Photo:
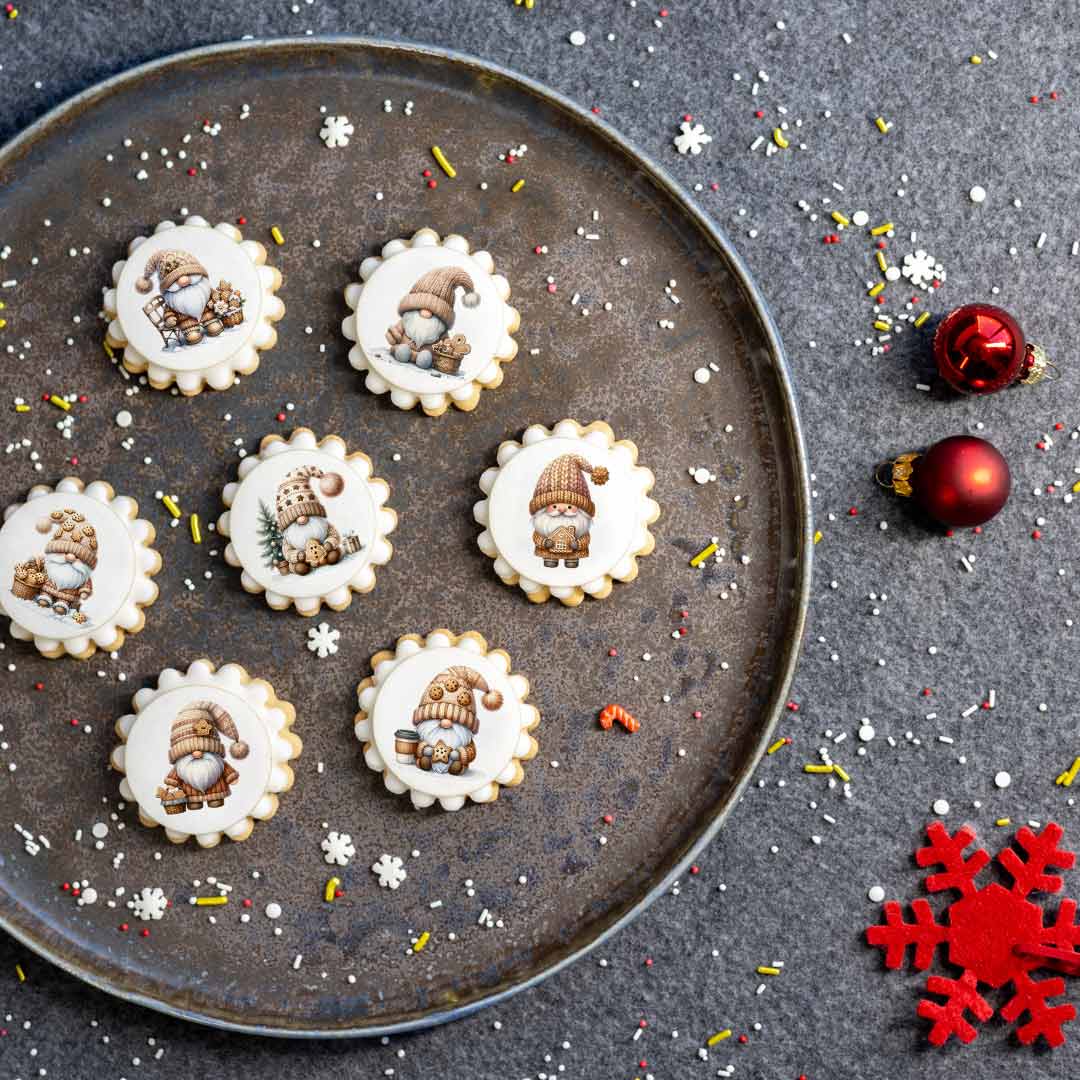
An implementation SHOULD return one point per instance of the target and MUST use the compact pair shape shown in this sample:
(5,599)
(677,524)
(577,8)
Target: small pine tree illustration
(269,535)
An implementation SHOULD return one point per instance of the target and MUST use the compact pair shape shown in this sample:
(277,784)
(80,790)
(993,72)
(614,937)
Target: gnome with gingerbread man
(60,579)
(422,336)
(308,539)
(200,775)
(562,510)
(446,719)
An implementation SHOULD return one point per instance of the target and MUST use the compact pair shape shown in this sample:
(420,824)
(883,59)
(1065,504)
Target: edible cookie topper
(193,305)
(566,511)
(206,752)
(431,323)
(75,568)
(443,718)
(307,522)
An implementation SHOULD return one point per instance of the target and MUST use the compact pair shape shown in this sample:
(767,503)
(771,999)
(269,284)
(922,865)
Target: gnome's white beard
(315,528)
(191,299)
(64,574)
(456,736)
(202,772)
(423,331)
(545,524)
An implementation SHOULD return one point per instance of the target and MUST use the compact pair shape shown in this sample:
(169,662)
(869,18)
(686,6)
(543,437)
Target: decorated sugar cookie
(566,511)
(206,752)
(76,564)
(444,719)
(307,522)
(193,305)
(431,323)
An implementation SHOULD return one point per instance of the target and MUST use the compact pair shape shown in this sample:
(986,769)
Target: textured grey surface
(833,1012)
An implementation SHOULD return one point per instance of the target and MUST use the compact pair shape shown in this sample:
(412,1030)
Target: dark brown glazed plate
(616,365)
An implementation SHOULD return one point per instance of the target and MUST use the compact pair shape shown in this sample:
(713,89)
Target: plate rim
(804,525)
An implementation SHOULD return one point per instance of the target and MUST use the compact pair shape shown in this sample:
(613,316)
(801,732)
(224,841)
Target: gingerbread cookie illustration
(431,323)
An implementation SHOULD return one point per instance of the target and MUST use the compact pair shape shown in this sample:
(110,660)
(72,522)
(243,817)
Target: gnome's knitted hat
(296,497)
(169,266)
(563,481)
(435,291)
(197,727)
(72,534)
(450,696)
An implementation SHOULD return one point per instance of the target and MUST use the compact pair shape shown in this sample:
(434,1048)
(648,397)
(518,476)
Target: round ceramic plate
(617,366)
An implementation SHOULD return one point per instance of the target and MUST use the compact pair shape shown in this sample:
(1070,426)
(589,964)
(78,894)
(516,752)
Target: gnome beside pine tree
(308,539)
(446,719)
(200,776)
(562,510)
(427,317)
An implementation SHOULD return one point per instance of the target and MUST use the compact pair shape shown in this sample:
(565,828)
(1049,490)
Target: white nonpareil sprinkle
(1002,780)
(977,194)
(577,37)
(940,807)
(876,894)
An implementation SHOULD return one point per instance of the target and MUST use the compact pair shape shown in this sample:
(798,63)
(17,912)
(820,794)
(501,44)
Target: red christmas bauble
(980,348)
(961,481)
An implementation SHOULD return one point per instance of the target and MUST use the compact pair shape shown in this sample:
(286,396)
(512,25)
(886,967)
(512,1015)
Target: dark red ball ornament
(960,481)
(980,348)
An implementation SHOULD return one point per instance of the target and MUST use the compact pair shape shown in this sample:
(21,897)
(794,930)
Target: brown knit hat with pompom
(169,266)
(450,696)
(197,726)
(563,481)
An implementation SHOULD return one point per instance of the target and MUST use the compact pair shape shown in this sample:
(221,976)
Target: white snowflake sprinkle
(338,847)
(390,870)
(922,270)
(691,139)
(148,904)
(336,131)
(323,640)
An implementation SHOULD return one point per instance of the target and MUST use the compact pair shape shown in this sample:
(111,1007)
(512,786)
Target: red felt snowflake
(993,933)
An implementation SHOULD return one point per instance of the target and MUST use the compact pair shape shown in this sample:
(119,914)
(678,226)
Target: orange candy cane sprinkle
(611,713)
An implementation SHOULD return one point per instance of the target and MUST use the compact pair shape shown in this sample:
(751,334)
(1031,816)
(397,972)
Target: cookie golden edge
(204,673)
(468,397)
(305,438)
(83,648)
(219,376)
(443,638)
(572,596)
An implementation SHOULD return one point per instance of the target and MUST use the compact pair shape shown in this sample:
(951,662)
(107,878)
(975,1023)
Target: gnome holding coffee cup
(308,539)
(200,775)
(60,579)
(562,510)
(446,720)
(427,317)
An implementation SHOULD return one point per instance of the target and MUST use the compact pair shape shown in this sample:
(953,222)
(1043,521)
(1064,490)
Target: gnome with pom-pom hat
(427,314)
(184,283)
(308,539)
(200,775)
(562,509)
(446,719)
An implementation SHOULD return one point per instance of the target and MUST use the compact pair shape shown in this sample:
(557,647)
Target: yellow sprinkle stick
(882,262)
(279,238)
(331,888)
(842,774)
(839,218)
(210,901)
(518,186)
(1003,821)
(882,124)
(921,320)
(778,138)
(421,941)
(818,536)
(702,555)
(445,165)
(60,403)
(196,532)
(975,59)
(19,971)
(108,350)
(764,969)
(1076,486)
(719,1037)
(170,505)
(880,324)
(1069,775)
(776,746)
(818,768)
(882,229)
(876,290)
(26,408)
(3,323)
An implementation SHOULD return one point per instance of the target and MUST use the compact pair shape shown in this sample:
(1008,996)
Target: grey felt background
(834,1012)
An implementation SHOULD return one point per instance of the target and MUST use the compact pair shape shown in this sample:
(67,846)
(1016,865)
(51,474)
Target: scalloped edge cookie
(464,397)
(386,521)
(259,694)
(385,661)
(598,433)
(222,374)
(130,616)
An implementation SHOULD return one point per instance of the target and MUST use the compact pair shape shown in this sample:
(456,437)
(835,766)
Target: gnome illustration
(446,720)
(200,775)
(308,539)
(60,579)
(427,317)
(562,510)
(185,293)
